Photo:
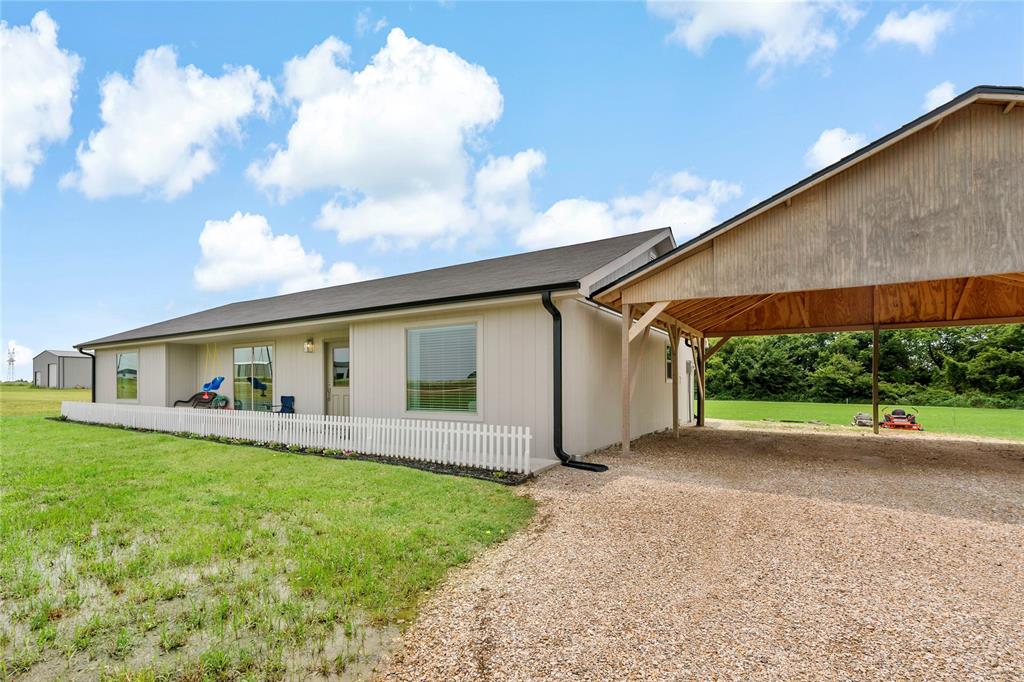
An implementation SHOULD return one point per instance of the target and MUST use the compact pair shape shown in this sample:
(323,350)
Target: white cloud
(682,201)
(243,250)
(397,142)
(22,359)
(920,27)
(318,72)
(37,83)
(161,129)
(939,95)
(502,189)
(365,23)
(786,32)
(394,139)
(832,145)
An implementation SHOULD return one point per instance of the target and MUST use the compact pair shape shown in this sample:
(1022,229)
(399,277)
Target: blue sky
(480,129)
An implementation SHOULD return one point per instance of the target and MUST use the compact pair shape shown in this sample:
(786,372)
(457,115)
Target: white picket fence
(485,446)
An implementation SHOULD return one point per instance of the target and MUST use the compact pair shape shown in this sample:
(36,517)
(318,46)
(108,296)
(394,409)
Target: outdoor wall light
(308,347)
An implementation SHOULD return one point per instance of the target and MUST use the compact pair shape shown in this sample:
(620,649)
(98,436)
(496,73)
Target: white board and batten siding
(513,360)
(466,444)
(514,357)
(591,361)
(152,376)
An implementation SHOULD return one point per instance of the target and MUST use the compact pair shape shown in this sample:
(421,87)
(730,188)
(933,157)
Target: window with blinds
(441,369)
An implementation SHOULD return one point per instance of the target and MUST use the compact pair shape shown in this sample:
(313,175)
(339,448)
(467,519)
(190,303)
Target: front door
(51,376)
(338,389)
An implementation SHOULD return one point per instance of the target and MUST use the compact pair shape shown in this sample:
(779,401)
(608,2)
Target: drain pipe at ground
(556,367)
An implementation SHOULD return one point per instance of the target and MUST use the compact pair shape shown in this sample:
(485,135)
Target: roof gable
(1004,95)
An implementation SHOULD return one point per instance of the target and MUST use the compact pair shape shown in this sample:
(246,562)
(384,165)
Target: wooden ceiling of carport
(928,231)
(960,301)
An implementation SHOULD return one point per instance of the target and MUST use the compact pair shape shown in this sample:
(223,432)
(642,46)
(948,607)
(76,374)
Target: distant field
(968,421)
(19,400)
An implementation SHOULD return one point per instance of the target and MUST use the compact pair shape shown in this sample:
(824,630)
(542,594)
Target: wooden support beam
(949,286)
(634,366)
(718,345)
(1009,280)
(673,337)
(627,318)
(683,327)
(648,317)
(745,309)
(801,304)
(722,310)
(963,298)
(694,308)
(874,379)
(1009,107)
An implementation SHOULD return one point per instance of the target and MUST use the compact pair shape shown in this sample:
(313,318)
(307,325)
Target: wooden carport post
(627,320)
(630,368)
(874,378)
(673,337)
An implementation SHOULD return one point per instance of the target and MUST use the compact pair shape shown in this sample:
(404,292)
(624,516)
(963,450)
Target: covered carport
(923,227)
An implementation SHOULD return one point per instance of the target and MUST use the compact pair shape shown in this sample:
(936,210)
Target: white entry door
(338,381)
(51,376)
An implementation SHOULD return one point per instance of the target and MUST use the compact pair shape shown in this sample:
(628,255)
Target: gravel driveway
(748,554)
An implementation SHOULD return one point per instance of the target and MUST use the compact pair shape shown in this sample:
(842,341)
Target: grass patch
(21,399)
(968,421)
(129,554)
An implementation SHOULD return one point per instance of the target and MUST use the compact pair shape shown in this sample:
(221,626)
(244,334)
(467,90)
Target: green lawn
(19,399)
(972,421)
(144,555)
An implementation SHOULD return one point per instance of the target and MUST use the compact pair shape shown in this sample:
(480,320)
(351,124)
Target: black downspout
(556,376)
(93,363)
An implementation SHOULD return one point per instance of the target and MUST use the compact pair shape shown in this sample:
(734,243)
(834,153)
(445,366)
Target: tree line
(956,366)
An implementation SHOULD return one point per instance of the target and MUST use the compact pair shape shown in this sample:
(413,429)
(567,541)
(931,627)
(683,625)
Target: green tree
(839,379)
(934,366)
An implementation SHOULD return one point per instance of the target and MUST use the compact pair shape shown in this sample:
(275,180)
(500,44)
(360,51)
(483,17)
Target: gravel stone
(733,553)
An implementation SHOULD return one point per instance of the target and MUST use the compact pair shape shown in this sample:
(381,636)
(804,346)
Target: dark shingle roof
(557,268)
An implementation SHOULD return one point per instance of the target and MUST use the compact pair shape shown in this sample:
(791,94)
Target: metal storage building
(62,369)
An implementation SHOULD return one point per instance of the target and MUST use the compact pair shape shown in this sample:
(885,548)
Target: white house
(506,341)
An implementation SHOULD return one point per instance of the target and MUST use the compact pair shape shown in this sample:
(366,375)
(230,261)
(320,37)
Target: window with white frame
(127,374)
(441,369)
